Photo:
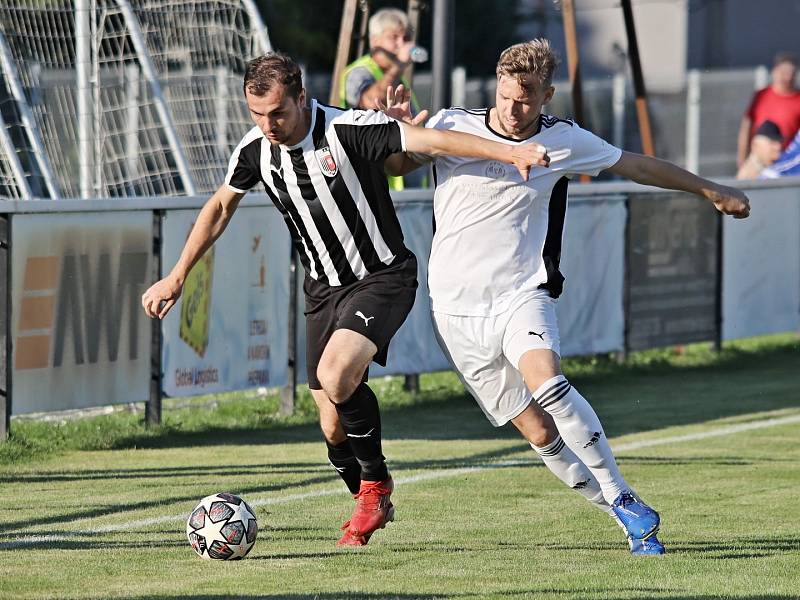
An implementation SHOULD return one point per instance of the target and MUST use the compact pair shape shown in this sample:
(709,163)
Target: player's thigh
(346,355)
(377,308)
(475,352)
(531,340)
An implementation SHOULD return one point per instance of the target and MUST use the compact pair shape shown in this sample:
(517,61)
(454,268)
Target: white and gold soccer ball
(222,527)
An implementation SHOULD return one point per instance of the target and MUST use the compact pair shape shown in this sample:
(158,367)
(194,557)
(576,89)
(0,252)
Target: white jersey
(495,235)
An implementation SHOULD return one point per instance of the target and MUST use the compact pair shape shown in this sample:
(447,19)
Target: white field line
(439,474)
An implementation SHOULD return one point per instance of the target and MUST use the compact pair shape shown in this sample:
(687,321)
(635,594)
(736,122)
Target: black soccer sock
(344,461)
(361,420)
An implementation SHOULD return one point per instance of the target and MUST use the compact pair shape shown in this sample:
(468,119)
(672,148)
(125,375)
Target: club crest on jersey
(326,162)
(496,170)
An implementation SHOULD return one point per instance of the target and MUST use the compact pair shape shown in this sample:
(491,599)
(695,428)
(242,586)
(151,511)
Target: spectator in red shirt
(779,103)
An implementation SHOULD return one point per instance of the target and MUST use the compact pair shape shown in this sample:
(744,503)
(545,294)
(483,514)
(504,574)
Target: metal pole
(343,49)
(693,121)
(152,413)
(13,160)
(132,122)
(459,84)
(221,110)
(289,392)
(5,315)
(442,65)
(259,29)
(26,115)
(618,97)
(717,343)
(638,80)
(363,8)
(414,7)
(83,61)
(158,96)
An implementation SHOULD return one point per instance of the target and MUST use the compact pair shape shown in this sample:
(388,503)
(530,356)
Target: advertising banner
(228,330)
(673,276)
(80,337)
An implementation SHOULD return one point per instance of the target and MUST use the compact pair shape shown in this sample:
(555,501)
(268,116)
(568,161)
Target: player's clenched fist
(731,201)
(161,297)
(526,156)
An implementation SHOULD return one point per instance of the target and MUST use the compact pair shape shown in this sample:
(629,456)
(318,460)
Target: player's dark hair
(265,72)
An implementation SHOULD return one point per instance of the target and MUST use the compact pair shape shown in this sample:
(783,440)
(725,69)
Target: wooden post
(343,49)
(574,66)
(363,7)
(642,112)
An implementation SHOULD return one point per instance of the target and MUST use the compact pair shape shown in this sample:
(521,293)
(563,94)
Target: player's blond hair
(535,59)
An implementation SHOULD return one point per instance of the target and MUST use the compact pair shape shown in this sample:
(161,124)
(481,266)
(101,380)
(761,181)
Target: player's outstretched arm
(436,142)
(211,222)
(398,106)
(660,173)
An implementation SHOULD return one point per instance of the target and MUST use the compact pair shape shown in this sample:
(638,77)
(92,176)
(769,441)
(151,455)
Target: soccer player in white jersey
(323,169)
(494,273)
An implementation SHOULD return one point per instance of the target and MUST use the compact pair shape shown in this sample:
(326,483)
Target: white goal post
(122,98)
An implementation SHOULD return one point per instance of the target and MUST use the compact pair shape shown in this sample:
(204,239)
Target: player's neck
(496,124)
(301,131)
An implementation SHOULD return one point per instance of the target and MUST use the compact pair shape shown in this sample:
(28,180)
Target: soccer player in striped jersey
(323,168)
(494,274)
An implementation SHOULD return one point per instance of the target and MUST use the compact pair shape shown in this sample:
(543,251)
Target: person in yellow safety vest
(365,80)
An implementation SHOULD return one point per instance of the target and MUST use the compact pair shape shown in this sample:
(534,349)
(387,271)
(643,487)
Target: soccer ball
(222,527)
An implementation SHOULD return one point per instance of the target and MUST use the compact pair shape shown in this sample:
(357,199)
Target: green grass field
(96,508)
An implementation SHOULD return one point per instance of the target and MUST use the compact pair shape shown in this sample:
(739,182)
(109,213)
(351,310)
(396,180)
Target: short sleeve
(590,153)
(369,134)
(355,84)
(243,171)
(435,122)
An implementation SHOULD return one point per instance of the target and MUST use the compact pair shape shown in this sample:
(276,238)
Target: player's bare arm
(434,142)
(660,173)
(211,222)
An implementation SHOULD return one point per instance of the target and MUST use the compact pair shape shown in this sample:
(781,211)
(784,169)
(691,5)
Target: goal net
(113,98)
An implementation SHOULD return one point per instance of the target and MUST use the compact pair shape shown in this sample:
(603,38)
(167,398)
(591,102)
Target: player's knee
(337,381)
(543,435)
(332,431)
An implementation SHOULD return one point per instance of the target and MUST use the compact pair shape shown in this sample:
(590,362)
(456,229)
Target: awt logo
(77,300)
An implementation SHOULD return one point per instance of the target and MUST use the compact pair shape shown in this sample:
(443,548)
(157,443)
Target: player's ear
(548,94)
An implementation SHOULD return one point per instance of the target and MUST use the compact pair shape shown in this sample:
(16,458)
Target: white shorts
(485,351)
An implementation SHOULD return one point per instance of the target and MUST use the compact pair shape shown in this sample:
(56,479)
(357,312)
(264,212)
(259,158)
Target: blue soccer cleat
(640,521)
(649,547)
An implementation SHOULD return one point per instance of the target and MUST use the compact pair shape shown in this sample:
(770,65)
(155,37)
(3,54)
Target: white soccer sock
(581,429)
(563,463)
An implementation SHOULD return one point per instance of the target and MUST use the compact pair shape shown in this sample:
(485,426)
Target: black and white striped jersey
(331,190)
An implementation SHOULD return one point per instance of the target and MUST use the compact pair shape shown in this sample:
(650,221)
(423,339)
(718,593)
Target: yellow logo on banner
(196,306)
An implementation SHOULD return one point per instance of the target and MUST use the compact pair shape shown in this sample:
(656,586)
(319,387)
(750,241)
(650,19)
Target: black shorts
(375,307)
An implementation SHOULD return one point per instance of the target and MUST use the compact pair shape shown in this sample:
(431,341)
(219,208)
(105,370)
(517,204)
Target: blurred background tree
(309,29)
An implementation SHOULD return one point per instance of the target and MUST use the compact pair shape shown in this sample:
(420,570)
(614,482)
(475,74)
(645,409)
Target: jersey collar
(487,118)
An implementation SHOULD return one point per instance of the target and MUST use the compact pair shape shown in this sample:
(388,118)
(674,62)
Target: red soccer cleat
(373,510)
